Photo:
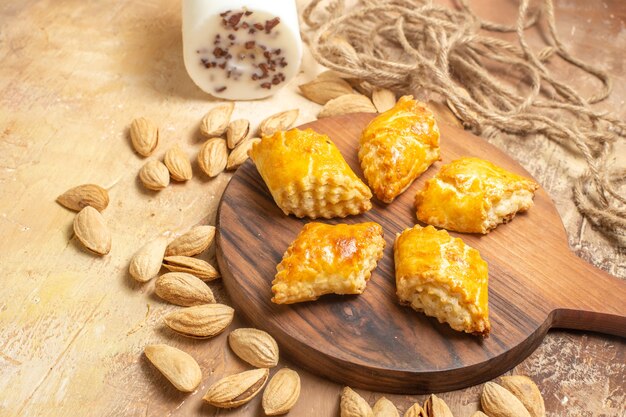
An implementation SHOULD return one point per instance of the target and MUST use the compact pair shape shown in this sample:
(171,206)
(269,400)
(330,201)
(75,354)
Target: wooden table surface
(73,326)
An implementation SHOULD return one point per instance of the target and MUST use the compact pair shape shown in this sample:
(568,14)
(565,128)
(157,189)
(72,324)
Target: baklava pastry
(397,147)
(442,277)
(472,195)
(307,175)
(325,259)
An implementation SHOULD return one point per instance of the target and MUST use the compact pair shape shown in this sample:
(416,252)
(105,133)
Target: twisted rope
(414,45)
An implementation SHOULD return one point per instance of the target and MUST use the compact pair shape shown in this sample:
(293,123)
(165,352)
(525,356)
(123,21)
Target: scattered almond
(361,86)
(154,175)
(416,410)
(78,198)
(178,164)
(92,231)
(527,392)
(479,414)
(385,408)
(322,90)
(499,402)
(198,267)
(215,122)
(183,289)
(144,136)
(353,405)
(254,346)
(200,322)
(383,99)
(282,392)
(239,155)
(237,131)
(235,390)
(278,122)
(349,103)
(177,366)
(436,407)
(146,263)
(195,241)
(213,156)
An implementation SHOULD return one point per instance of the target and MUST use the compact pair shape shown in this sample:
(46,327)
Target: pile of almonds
(338,96)
(226,147)
(515,396)
(204,318)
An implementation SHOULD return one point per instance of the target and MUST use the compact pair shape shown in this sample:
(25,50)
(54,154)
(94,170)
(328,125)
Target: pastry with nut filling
(307,175)
(472,195)
(397,147)
(325,259)
(442,277)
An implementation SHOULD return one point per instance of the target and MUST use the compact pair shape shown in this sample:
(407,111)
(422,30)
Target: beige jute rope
(416,46)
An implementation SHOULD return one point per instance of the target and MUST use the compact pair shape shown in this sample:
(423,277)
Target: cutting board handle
(592,300)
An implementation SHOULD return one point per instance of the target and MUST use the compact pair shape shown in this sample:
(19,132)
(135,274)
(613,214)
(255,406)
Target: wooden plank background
(72,326)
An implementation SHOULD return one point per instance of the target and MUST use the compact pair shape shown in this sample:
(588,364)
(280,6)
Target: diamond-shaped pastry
(325,259)
(307,175)
(442,277)
(472,195)
(397,147)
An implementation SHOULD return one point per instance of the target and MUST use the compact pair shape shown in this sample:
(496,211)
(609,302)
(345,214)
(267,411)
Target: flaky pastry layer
(442,277)
(472,195)
(308,177)
(397,147)
(326,259)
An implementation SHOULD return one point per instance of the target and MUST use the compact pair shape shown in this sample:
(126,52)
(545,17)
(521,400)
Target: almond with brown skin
(282,392)
(436,407)
(254,346)
(198,267)
(154,175)
(183,289)
(177,366)
(215,122)
(200,322)
(416,410)
(385,408)
(144,136)
(527,392)
(479,414)
(213,157)
(178,164)
(195,241)
(383,99)
(79,197)
(499,402)
(349,103)
(353,405)
(277,122)
(235,390)
(323,90)
(92,231)
(239,155)
(146,263)
(237,131)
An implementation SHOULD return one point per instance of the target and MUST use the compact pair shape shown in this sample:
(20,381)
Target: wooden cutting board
(372,342)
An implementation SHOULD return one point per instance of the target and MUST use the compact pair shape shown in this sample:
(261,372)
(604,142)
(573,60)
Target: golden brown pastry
(472,195)
(443,277)
(307,175)
(327,259)
(397,147)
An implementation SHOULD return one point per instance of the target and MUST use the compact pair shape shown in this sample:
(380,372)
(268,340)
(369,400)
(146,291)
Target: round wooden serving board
(371,341)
